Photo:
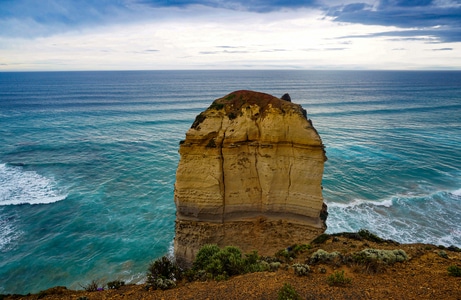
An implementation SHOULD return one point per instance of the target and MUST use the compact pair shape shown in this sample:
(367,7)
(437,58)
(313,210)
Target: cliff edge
(250,176)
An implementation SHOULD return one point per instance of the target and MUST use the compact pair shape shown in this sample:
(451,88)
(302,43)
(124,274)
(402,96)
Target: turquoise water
(88,161)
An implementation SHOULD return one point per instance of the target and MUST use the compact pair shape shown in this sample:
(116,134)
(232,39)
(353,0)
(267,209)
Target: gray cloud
(442,22)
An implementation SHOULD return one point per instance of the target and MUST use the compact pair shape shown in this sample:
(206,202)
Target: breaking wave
(18,186)
(426,218)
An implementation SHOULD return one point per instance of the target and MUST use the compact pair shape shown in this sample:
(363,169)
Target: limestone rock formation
(250,176)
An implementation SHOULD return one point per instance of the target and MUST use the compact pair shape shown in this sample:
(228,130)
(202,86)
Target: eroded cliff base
(261,234)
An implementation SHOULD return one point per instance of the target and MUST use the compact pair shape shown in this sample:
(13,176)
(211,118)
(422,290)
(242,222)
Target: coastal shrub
(292,252)
(162,274)
(227,261)
(287,292)
(301,269)
(454,248)
(338,279)
(93,286)
(115,285)
(299,248)
(321,239)
(386,256)
(367,235)
(322,256)
(442,254)
(57,290)
(450,248)
(374,261)
(223,263)
(204,256)
(454,271)
(274,266)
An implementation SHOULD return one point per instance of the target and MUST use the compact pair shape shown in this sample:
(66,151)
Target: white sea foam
(361,202)
(430,218)
(456,193)
(7,234)
(18,186)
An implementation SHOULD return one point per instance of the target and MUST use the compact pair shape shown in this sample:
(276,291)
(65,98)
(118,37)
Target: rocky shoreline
(424,275)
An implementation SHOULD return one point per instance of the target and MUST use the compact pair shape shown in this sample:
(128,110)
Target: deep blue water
(88,161)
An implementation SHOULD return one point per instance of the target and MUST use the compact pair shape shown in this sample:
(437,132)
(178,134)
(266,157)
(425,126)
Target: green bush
(115,285)
(322,256)
(162,274)
(338,279)
(454,271)
(222,263)
(442,254)
(301,269)
(216,105)
(367,235)
(227,261)
(388,257)
(321,239)
(287,292)
(291,252)
(204,256)
(93,286)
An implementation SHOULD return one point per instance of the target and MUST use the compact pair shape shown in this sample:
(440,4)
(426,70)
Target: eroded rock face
(250,176)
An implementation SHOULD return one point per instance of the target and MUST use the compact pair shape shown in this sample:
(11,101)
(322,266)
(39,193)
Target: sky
(60,35)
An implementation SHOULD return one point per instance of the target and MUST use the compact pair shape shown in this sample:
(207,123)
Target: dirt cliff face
(250,176)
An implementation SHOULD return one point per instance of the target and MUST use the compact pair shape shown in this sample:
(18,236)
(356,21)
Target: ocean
(88,162)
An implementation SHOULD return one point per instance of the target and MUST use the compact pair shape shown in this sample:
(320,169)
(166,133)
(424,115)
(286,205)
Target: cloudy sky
(229,34)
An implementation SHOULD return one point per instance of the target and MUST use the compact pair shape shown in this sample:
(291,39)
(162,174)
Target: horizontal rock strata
(249,175)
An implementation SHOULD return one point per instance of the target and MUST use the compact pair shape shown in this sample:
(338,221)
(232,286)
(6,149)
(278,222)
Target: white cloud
(222,39)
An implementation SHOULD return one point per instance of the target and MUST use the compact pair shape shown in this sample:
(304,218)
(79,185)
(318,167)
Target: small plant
(162,274)
(442,254)
(216,105)
(198,120)
(274,266)
(287,292)
(367,235)
(301,269)
(204,256)
(57,290)
(93,286)
(454,271)
(338,279)
(227,261)
(322,256)
(82,298)
(321,239)
(115,285)
(386,256)
(220,264)
(230,97)
(291,252)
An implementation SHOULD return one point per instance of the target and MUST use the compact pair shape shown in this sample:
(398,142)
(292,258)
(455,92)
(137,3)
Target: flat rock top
(239,98)
(235,101)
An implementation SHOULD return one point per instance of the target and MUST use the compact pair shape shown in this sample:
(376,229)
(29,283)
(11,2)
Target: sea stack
(249,175)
